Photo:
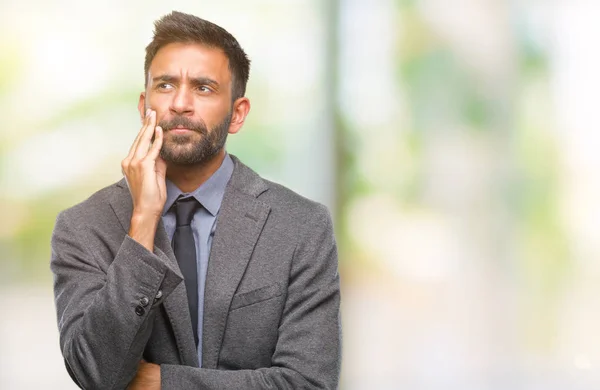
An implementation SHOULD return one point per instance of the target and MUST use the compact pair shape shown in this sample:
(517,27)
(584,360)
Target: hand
(145,172)
(146,378)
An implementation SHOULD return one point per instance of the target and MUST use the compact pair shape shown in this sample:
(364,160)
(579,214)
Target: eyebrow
(195,81)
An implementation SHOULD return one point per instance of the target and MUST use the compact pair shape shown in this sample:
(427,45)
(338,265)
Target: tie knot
(185,209)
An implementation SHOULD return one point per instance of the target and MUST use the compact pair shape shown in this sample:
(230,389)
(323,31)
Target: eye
(164,86)
(204,88)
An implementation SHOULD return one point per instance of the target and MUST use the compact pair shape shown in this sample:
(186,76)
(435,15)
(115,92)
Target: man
(193,272)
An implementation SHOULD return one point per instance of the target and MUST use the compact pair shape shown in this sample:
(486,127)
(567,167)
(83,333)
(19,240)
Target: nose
(182,103)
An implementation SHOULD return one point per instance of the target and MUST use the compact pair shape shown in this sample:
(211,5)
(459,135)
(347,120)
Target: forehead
(191,60)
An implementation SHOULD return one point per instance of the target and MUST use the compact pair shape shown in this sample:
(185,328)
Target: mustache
(179,120)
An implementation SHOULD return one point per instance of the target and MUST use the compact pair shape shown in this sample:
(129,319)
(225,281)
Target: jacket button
(144,301)
(139,311)
(158,294)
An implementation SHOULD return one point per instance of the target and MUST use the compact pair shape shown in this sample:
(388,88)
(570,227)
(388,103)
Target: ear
(241,107)
(142,106)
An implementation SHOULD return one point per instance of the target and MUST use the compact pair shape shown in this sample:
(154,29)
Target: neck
(189,177)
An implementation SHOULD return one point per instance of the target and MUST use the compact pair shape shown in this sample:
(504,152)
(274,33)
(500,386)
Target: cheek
(158,102)
(212,112)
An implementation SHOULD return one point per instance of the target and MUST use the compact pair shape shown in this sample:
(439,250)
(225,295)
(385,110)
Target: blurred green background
(453,142)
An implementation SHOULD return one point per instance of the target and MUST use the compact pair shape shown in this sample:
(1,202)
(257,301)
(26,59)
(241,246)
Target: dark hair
(178,27)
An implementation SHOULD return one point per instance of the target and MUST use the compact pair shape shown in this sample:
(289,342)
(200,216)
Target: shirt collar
(209,194)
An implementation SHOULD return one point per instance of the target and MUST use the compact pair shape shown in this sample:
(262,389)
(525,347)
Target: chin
(183,156)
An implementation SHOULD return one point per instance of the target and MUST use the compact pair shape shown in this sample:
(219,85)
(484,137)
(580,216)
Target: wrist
(143,228)
(145,217)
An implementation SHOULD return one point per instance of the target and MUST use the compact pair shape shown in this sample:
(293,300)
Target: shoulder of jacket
(97,202)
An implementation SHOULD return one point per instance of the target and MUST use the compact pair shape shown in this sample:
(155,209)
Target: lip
(180,130)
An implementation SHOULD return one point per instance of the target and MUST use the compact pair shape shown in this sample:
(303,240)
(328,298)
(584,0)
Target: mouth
(180,130)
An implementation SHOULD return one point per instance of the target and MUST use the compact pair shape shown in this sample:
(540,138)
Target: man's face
(189,87)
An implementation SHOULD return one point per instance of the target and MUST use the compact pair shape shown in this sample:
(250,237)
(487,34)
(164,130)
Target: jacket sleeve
(308,350)
(105,312)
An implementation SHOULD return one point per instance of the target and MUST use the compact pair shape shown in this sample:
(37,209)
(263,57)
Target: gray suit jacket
(271,309)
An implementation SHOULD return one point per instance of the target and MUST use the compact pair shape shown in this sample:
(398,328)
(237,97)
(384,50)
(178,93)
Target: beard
(189,149)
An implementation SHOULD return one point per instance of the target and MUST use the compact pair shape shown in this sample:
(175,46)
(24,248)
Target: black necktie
(185,252)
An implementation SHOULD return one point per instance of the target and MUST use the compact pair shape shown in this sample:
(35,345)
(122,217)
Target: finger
(158,140)
(145,137)
(139,135)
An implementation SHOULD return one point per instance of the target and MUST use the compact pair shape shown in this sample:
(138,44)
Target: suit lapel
(239,223)
(175,304)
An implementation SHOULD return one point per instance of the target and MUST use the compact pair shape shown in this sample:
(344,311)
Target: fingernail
(148,112)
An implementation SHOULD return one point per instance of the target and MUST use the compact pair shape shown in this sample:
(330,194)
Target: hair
(178,27)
